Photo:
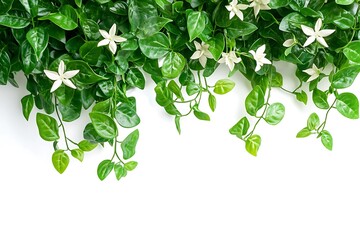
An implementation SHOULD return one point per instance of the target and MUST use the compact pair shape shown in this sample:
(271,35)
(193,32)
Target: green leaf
(64,22)
(135,78)
(313,121)
(305,132)
(87,146)
(352,51)
(302,97)
(177,124)
(31,6)
(104,169)
(126,114)
(254,101)
(71,111)
(86,76)
(128,145)
(14,21)
(192,88)
(275,113)
(104,125)
(139,12)
(173,65)
(240,28)
(151,26)
(224,86)
(119,171)
(195,23)
(28,57)
(163,94)
(252,144)
(60,160)
(240,128)
(90,52)
(5,6)
(212,102)
(27,103)
(5,67)
(320,99)
(38,39)
(348,105)
(155,46)
(48,127)
(344,2)
(130,165)
(326,139)
(345,77)
(78,154)
(216,45)
(200,115)
(174,88)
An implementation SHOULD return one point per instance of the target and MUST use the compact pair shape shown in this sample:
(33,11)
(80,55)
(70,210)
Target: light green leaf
(87,146)
(224,86)
(252,144)
(352,51)
(104,169)
(254,101)
(104,125)
(195,23)
(345,77)
(348,105)
(48,127)
(313,121)
(60,161)
(78,154)
(305,132)
(275,113)
(130,165)
(173,65)
(240,128)
(128,145)
(326,139)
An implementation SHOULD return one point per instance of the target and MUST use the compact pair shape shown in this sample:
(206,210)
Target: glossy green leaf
(345,77)
(5,67)
(212,102)
(313,121)
(87,146)
(64,22)
(320,99)
(302,97)
(78,154)
(135,78)
(305,132)
(104,169)
(126,114)
(344,2)
(28,57)
(128,145)
(224,86)
(326,139)
(254,101)
(48,127)
(163,94)
(348,105)
(86,75)
(5,6)
(14,21)
(195,23)
(155,46)
(38,39)
(27,103)
(352,51)
(31,6)
(241,128)
(200,115)
(119,171)
(252,144)
(60,161)
(240,28)
(90,52)
(130,165)
(104,125)
(275,113)
(216,45)
(151,26)
(173,65)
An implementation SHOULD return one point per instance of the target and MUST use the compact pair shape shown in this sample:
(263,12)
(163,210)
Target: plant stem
(322,126)
(61,124)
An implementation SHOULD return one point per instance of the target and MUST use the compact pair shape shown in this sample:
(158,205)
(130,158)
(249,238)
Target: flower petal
(68,83)
(309,71)
(203,61)
(228,7)
(196,55)
(61,68)
(313,77)
(265,61)
(103,42)
(307,30)
(256,10)
(326,32)
(309,41)
(231,65)
(70,74)
(264,7)
(197,45)
(240,15)
(318,25)
(288,43)
(104,33)
(258,67)
(112,47)
(322,41)
(252,52)
(242,6)
(119,39)
(112,31)
(221,60)
(56,85)
(261,50)
(208,54)
(52,75)
(231,15)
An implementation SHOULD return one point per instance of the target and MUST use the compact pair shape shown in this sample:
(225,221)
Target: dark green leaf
(14,21)
(64,22)
(320,99)
(135,78)
(195,23)
(27,103)
(173,65)
(345,77)
(104,169)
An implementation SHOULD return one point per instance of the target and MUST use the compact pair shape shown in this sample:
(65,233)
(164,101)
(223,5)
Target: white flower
(316,33)
(202,53)
(313,72)
(110,39)
(259,57)
(61,76)
(235,9)
(259,5)
(229,59)
(289,43)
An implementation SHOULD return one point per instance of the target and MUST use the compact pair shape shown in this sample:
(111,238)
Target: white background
(200,185)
